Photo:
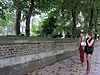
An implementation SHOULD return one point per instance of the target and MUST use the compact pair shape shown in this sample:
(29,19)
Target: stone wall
(20,55)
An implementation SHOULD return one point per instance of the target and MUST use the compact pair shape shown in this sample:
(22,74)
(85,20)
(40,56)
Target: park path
(72,66)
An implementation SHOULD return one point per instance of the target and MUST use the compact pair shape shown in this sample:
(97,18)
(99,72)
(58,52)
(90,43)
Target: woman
(81,48)
(89,48)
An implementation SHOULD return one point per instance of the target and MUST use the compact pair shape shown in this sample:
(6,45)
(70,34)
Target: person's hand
(76,48)
(88,40)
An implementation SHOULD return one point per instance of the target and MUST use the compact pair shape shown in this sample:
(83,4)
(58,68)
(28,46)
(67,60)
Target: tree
(17,22)
(62,17)
(6,14)
(48,26)
(91,14)
(65,14)
(89,11)
(17,6)
(28,16)
(74,10)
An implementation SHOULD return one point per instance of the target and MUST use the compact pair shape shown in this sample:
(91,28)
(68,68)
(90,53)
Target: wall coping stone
(21,40)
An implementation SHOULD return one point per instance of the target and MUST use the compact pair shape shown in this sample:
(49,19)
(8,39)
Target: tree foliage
(64,16)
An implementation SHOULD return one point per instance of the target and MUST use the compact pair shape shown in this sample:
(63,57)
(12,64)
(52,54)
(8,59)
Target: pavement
(72,66)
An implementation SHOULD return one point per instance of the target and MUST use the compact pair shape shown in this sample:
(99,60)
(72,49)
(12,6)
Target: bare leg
(89,60)
(88,63)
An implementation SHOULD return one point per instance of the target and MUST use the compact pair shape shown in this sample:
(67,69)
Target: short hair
(90,33)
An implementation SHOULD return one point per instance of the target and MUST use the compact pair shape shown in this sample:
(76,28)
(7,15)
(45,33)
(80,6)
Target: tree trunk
(17,22)
(28,18)
(91,16)
(74,24)
(63,20)
(73,11)
(96,20)
(91,19)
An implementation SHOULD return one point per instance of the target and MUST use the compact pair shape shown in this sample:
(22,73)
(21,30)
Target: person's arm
(78,43)
(91,43)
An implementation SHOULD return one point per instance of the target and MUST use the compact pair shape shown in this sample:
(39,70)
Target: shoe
(87,71)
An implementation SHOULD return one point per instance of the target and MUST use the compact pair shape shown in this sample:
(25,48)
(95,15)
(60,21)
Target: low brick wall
(20,55)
